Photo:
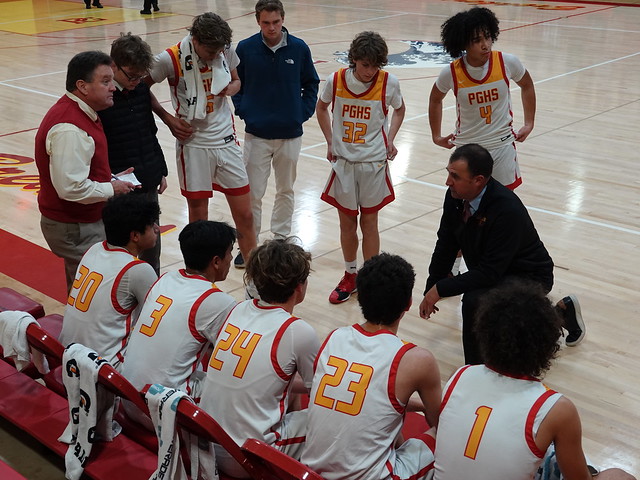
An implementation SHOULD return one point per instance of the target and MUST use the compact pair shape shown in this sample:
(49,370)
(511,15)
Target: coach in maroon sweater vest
(72,160)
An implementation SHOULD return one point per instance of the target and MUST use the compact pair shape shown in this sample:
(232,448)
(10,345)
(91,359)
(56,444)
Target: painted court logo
(418,54)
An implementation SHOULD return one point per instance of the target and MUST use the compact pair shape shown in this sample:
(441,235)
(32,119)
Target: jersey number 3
(357,387)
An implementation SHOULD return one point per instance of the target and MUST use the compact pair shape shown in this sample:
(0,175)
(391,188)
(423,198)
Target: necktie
(466,211)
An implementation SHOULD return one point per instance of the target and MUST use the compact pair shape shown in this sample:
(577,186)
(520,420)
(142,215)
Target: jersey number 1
(473,442)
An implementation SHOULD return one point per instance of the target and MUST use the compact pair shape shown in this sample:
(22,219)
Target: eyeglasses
(132,78)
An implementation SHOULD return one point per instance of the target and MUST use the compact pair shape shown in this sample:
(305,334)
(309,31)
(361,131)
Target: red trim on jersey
(447,393)
(290,441)
(115,248)
(470,78)
(332,201)
(114,289)
(234,192)
(391,383)
(454,78)
(335,86)
(503,68)
(517,377)
(386,200)
(422,471)
(176,64)
(528,426)
(194,311)
(343,76)
(315,362)
(274,349)
(383,95)
(382,331)
(195,276)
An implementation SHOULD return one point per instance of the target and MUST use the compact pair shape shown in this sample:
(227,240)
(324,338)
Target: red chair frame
(278,464)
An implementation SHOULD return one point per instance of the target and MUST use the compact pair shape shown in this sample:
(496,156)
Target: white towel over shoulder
(197,106)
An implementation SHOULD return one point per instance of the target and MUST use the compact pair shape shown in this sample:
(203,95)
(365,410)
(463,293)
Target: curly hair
(369,46)
(460,30)
(277,267)
(385,283)
(269,6)
(517,328)
(211,30)
(124,214)
(131,51)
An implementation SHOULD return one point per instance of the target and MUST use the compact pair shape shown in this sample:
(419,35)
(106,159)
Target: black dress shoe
(155,7)
(87,4)
(145,12)
(97,4)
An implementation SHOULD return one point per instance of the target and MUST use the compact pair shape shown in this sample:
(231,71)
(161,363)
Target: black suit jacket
(499,240)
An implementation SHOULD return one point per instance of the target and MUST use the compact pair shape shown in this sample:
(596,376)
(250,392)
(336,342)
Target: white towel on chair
(13,338)
(163,405)
(195,91)
(90,407)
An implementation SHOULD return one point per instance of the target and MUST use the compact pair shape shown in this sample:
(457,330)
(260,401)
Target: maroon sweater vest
(51,205)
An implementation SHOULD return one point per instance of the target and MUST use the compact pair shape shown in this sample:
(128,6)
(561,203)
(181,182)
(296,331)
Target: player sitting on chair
(498,420)
(364,378)
(111,282)
(259,350)
(182,314)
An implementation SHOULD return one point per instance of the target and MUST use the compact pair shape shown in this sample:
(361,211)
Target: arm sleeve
(444,83)
(212,313)
(394,96)
(514,67)
(326,94)
(162,68)
(303,342)
(70,150)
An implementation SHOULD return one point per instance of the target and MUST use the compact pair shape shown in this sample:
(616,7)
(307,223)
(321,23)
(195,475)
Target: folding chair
(279,465)
(195,420)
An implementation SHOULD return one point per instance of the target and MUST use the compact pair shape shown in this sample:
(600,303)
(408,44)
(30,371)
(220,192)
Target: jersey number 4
(357,387)
(242,344)
(485,112)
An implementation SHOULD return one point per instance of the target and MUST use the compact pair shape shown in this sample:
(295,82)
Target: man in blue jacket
(278,94)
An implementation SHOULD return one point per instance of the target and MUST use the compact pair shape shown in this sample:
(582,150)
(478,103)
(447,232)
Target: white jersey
(217,128)
(359,113)
(488,424)
(182,313)
(259,349)
(483,100)
(354,414)
(102,306)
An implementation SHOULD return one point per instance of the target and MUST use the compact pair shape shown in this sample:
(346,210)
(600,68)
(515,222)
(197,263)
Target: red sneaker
(345,288)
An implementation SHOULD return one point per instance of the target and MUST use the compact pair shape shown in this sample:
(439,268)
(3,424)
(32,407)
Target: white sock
(351,267)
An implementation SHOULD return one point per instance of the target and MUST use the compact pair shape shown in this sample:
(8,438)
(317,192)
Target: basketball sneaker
(345,288)
(239,261)
(572,320)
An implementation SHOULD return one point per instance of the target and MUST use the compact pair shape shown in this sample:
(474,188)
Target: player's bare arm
(528,95)
(435,118)
(396,121)
(324,120)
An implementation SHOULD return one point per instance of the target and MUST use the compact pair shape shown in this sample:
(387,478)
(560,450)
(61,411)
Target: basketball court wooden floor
(581,182)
